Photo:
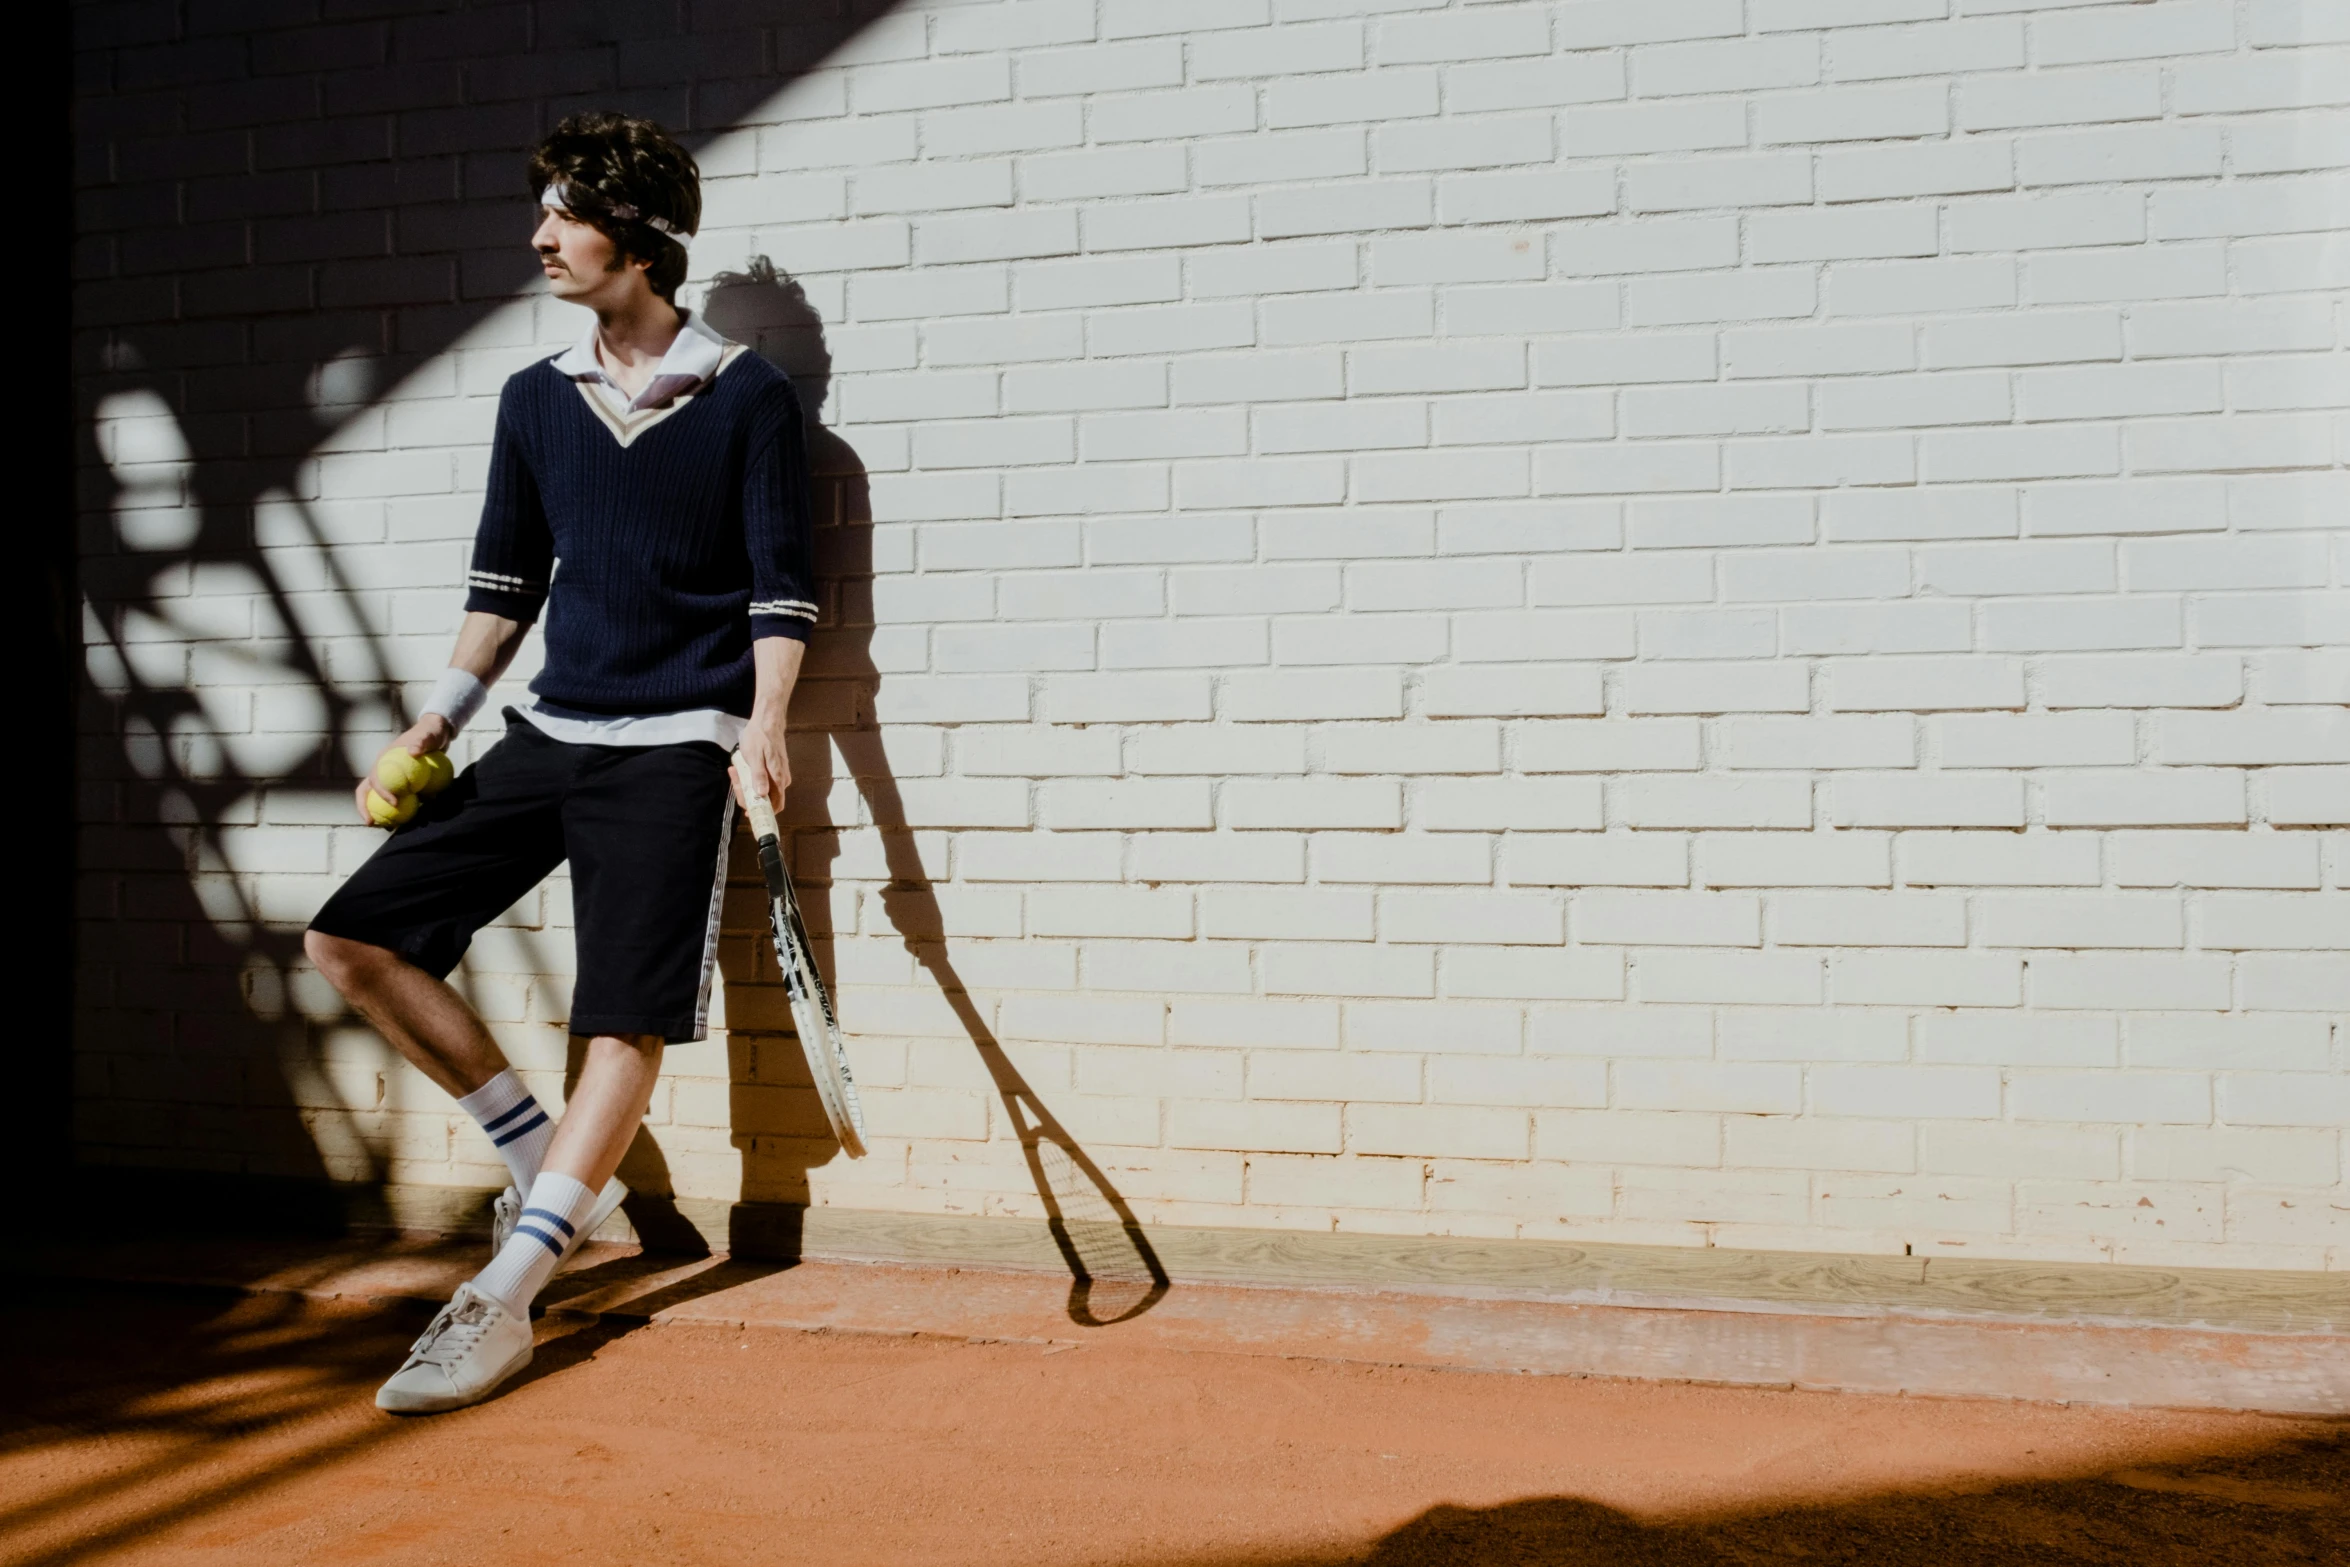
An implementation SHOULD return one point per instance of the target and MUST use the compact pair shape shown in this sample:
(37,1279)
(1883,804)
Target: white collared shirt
(693,359)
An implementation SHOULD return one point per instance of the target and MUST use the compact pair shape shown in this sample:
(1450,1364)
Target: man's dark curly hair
(617,170)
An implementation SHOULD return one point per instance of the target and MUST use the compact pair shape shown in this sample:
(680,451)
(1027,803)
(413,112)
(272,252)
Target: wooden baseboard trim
(1553,1272)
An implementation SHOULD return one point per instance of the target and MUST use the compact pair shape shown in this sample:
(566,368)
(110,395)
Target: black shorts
(645,829)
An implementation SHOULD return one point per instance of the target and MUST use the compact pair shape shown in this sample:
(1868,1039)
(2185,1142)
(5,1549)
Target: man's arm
(486,644)
(777,663)
(506,587)
(778,526)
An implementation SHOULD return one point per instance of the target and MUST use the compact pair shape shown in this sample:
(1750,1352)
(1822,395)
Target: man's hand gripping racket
(811,1008)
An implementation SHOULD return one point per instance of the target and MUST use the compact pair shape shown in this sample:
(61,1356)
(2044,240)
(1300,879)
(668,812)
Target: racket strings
(1114,1272)
(814,1022)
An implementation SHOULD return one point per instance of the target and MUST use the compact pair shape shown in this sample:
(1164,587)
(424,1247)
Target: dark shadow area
(578,1284)
(186,1401)
(295,1209)
(2289,1505)
(46,632)
(614,1322)
(1115,1274)
(194,1399)
(280,214)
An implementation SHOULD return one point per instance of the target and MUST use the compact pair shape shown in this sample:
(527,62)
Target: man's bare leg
(423,1019)
(607,1105)
(573,1194)
(430,1024)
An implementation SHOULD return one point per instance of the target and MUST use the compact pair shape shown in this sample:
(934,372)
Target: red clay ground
(153,1425)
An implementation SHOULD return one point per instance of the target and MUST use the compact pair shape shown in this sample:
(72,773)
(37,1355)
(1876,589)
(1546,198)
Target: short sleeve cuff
(795,627)
(505,603)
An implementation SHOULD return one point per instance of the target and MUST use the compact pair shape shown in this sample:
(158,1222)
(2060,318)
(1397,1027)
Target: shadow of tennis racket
(1114,1272)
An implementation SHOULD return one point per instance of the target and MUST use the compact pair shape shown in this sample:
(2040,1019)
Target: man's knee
(350,966)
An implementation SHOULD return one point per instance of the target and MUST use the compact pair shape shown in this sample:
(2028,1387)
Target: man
(664,470)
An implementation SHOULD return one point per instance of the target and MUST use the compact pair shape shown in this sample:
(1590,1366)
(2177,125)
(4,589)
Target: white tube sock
(515,1122)
(552,1214)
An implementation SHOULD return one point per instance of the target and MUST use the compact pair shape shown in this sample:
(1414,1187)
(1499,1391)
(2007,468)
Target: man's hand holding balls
(412,767)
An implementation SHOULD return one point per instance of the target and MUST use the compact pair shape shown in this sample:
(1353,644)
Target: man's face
(582,264)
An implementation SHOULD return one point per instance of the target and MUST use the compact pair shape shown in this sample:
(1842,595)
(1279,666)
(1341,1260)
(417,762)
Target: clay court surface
(156,1424)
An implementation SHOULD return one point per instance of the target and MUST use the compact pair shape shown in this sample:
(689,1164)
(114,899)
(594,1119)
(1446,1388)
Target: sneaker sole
(425,1404)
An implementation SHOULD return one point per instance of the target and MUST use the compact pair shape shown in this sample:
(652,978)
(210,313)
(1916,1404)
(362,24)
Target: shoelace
(451,1333)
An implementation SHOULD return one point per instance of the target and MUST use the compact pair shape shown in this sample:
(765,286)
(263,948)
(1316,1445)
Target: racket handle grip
(755,805)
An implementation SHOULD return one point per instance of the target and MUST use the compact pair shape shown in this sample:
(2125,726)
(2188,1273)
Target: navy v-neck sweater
(675,550)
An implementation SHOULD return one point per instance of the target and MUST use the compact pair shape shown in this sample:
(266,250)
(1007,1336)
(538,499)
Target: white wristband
(456,696)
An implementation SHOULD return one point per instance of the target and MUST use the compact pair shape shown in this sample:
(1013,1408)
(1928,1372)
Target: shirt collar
(693,358)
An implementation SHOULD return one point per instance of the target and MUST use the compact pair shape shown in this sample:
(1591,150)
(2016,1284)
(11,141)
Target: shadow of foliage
(258,263)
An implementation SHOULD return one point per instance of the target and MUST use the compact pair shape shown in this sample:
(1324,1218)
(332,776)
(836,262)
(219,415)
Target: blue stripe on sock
(531,1125)
(528,1103)
(543,1238)
(552,1217)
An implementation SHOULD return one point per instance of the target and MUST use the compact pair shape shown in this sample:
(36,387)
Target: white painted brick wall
(1707,622)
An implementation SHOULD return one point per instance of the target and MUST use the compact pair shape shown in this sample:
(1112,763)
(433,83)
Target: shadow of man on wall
(1114,1272)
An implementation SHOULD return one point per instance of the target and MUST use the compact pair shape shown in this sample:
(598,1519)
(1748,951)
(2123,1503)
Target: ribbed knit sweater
(680,537)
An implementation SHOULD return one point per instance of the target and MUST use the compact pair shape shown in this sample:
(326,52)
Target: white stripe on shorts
(717,907)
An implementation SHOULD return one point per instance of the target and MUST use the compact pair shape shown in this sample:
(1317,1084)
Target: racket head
(812,1018)
(811,1006)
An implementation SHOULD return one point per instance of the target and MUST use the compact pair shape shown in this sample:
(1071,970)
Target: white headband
(557,196)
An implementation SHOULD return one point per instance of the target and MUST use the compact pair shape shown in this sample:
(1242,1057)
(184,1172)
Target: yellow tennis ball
(390,813)
(434,772)
(395,770)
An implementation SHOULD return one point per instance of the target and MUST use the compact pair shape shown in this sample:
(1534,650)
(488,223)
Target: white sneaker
(474,1344)
(506,1212)
(607,1200)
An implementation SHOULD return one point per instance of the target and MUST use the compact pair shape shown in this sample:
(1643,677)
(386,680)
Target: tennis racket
(811,1008)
